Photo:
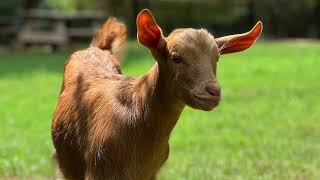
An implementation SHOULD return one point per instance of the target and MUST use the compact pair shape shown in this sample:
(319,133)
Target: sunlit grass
(266,127)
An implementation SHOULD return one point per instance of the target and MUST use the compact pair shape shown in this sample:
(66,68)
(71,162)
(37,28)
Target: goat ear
(239,42)
(149,33)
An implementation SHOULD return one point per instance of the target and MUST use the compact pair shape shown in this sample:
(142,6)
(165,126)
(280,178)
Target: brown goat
(110,126)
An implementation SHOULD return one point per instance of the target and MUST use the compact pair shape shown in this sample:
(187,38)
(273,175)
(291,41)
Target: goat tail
(111,36)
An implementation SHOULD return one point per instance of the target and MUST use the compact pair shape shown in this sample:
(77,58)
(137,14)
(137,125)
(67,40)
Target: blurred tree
(31,4)
(125,9)
(136,7)
(9,7)
(317,17)
(219,16)
(282,18)
(70,5)
(285,18)
(251,12)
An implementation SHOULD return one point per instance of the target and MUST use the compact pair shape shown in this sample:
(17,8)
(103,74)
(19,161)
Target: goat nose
(213,89)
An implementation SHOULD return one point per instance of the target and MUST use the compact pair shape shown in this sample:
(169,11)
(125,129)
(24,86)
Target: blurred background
(282,18)
(266,127)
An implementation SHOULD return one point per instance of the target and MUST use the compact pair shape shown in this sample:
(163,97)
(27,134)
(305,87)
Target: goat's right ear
(239,42)
(149,33)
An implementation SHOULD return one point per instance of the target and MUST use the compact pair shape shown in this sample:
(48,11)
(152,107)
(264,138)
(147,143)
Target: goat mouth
(209,100)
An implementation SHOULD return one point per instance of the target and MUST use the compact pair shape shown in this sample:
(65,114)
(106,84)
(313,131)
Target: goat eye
(175,58)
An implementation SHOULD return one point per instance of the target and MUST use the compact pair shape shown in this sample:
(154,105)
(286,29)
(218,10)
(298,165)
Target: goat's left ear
(149,33)
(239,42)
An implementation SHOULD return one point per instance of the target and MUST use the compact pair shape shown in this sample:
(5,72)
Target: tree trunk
(251,12)
(135,11)
(31,4)
(317,18)
(137,6)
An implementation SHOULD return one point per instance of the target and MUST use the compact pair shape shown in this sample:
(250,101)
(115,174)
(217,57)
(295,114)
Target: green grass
(266,127)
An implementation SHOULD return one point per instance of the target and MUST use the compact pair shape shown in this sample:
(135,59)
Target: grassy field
(266,127)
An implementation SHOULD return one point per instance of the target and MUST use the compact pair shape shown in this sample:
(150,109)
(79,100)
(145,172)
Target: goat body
(110,126)
(107,125)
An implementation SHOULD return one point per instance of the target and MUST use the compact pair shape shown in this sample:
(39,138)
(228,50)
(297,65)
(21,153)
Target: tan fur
(110,126)
(111,37)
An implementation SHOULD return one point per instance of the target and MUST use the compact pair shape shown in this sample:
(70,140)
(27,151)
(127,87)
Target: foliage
(282,18)
(67,5)
(9,7)
(286,18)
(266,126)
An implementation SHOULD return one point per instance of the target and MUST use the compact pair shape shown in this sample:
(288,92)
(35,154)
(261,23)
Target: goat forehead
(193,40)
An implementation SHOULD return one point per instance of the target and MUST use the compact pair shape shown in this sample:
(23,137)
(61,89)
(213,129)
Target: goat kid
(110,126)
